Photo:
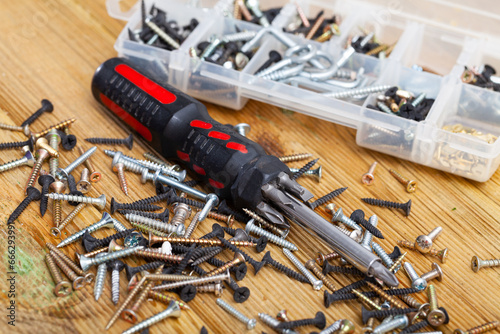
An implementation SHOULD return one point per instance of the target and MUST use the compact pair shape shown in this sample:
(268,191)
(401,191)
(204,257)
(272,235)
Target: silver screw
(400,321)
(239,36)
(24,129)
(340,217)
(381,253)
(314,172)
(99,202)
(211,201)
(106,221)
(316,283)
(179,185)
(332,328)
(198,281)
(416,281)
(368,177)
(436,272)
(28,160)
(242,129)
(54,140)
(418,99)
(273,323)
(163,35)
(192,226)
(366,242)
(253,5)
(217,288)
(237,314)
(100,277)
(156,224)
(251,228)
(423,243)
(214,42)
(355,235)
(382,106)
(358,92)
(119,227)
(284,73)
(62,173)
(128,163)
(173,310)
(182,212)
(84,184)
(477,263)
(86,262)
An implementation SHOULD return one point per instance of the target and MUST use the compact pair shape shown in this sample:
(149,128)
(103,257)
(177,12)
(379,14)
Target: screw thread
(115,255)
(272,322)
(172,310)
(250,228)
(158,256)
(163,35)
(131,271)
(304,169)
(161,297)
(266,224)
(366,300)
(410,301)
(57,126)
(148,229)
(69,218)
(122,180)
(322,258)
(346,232)
(22,206)
(106,141)
(415,327)
(181,213)
(390,325)
(35,172)
(234,249)
(207,288)
(73,198)
(284,269)
(151,157)
(11,127)
(381,253)
(164,170)
(54,270)
(192,226)
(156,224)
(484,328)
(71,274)
(239,36)
(406,244)
(223,268)
(316,284)
(491,263)
(57,213)
(6,146)
(105,241)
(152,199)
(183,200)
(397,263)
(311,265)
(78,235)
(14,164)
(418,99)
(65,258)
(385,313)
(78,161)
(431,294)
(96,251)
(142,296)
(328,197)
(115,286)
(231,310)
(382,203)
(295,157)
(361,91)
(198,281)
(371,228)
(99,280)
(394,301)
(153,215)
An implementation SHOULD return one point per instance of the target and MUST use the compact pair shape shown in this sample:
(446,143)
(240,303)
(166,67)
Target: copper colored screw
(118,168)
(411,185)
(94,252)
(56,231)
(441,254)
(94,176)
(154,239)
(164,298)
(229,220)
(266,224)
(366,300)
(84,185)
(368,177)
(244,10)
(62,288)
(295,157)
(41,155)
(89,277)
(238,258)
(479,329)
(311,265)
(393,300)
(78,281)
(303,17)
(321,258)
(236,11)
(315,26)
(149,254)
(57,126)
(57,187)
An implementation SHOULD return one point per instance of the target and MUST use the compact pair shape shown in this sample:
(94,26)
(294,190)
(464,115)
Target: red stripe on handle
(199,170)
(147,85)
(126,117)
(183,156)
(219,135)
(236,146)
(200,124)
(215,184)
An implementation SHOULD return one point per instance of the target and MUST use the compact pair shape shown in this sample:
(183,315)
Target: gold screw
(332,29)
(295,157)
(238,258)
(41,155)
(84,185)
(89,277)
(154,239)
(412,302)
(366,300)
(311,265)
(164,298)
(94,176)
(62,288)
(442,254)
(153,254)
(411,185)
(436,317)
(229,220)
(118,168)
(397,262)
(57,187)
(57,126)
(78,281)
(479,329)
(393,300)
(266,224)
(368,177)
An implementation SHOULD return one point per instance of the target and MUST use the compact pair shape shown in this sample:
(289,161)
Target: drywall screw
(89,277)
(274,57)
(274,323)
(423,243)
(199,281)
(358,92)
(399,321)
(161,297)
(57,126)
(62,173)
(86,262)
(24,129)
(339,216)
(45,181)
(84,185)
(173,310)
(265,223)
(78,281)
(311,265)
(342,294)
(411,185)
(322,258)
(119,168)
(359,217)
(116,267)
(33,194)
(479,329)
(366,315)
(114,205)
(106,221)
(62,287)
(314,172)
(242,128)
(368,177)
(284,269)
(393,300)
(252,228)
(303,169)
(54,140)
(436,272)
(237,314)
(319,321)
(163,35)
(148,229)
(94,175)
(397,263)
(435,316)
(90,243)
(416,281)
(29,142)
(129,141)
(366,300)
(295,157)
(41,154)
(442,254)
(238,258)
(406,207)
(102,270)
(56,230)
(27,160)
(46,107)
(99,202)
(477,263)
(255,264)
(317,284)
(157,224)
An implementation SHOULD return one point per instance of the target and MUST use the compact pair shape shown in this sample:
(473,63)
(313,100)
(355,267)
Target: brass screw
(412,302)
(311,265)
(238,258)
(321,258)
(57,187)
(89,277)
(216,288)
(411,185)
(78,281)
(94,252)
(368,177)
(393,300)
(57,126)
(164,298)
(41,155)
(118,168)
(244,10)
(62,288)
(332,29)
(56,231)
(398,261)
(479,329)
(436,317)
(84,185)
(295,157)
(266,224)
(154,239)
(477,263)
(441,254)
(229,220)
(366,300)
(94,176)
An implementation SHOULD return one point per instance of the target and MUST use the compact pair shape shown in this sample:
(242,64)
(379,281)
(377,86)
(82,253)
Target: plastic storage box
(421,39)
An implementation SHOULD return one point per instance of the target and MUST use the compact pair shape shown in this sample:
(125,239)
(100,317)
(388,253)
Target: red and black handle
(179,127)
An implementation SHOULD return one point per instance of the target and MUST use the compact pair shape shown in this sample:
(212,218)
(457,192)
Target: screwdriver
(238,169)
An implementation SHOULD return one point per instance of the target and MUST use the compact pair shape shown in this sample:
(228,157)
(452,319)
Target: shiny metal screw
(192,226)
(94,175)
(252,228)
(477,263)
(57,187)
(106,221)
(358,92)
(84,185)
(314,172)
(102,270)
(411,185)
(163,35)
(62,173)
(423,243)
(99,202)
(182,212)
(217,288)
(24,129)
(27,160)
(311,265)
(366,242)
(400,321)
(416,281)
(317,284)
(62,288)
(339,216)
(253,5)
(56,230)
(86,262)
(242,128)
(173,310)
(54,140)
(119,168)
(156,224)
(198,281)
(435,316)
(41,155)
(381,253)
(274,323)
(436,272)
(368,177)
(237,314)
(238,258)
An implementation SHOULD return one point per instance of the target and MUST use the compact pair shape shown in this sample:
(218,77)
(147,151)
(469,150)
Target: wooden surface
(50,49)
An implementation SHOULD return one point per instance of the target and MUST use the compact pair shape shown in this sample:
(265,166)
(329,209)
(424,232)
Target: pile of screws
(250,11)
(482,76)
(459,128)
(370,46)
(320,28)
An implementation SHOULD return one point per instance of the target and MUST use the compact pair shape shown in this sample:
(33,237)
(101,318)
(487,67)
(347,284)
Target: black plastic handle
(179,128)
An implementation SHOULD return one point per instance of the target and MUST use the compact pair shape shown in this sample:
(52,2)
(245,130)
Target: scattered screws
(129,141)
(477,263)
(406,207)
(237,314)
(62,288)
(411,185)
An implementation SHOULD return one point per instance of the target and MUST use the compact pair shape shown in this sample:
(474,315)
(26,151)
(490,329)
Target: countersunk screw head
(367,178)
(62,289)
(336,216)
(129,315)
(242,128)
(79,283)
(423,243)
(330,208)
(101,203)
(83,186)
(475,264)
(282,315)
(31,159)
(58,187)
(411,186)
(251,323)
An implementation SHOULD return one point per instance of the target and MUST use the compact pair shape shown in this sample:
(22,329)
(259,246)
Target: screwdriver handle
(180,128)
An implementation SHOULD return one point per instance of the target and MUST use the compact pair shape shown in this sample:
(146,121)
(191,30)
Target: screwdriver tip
(378,270)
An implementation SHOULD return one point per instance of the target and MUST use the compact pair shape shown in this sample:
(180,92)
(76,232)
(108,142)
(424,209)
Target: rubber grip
(179,127)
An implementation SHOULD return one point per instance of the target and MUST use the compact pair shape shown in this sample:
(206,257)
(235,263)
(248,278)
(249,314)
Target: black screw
(153,215)
(172,197)
(232,232)
(274,57)
(184,262)
(326,198)
(68,142)
(217,232)
(328,268)
(365,314)
(284,269)
(129,141)
(132,206)
(152,199)
(255,264)
(396,253)
(304,169)
(131,271)
(72,189)
(343,295)
(30,143)
(388,204)
(203,330)
(355,285)
(231,48)
(319,321)
(187,293)
(45,181)
(359,217)
(226,210)
(90,243)
(241,293)
(415,327)
(46,107)
(33,194)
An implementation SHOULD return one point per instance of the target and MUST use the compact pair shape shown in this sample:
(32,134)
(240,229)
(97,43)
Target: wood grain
(51,48)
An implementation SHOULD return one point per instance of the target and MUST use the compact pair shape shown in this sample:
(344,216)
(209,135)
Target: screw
(382,254)
(173,310)
(256,265)
(29,142)
(68,141)
(317,284)
(237,314)
(333,29)
(99,202)
(89,277)
(56,231)
(284,269)
(44,151)
(366,300)
(441,254)
(84,185)
(366,315)
(477,263)
(100,277)
(181,213)
(406,207)
(238,258)
(114,206)
(72,189)
(322,258)
(157,224)
(266,224)
(400,321)
(317,23)
(24,129)
(94,176)
(253,5)
(397,263)
(216,288)
(274,57)
(358,92)
(106,221)
(418,99)
(274,323)
(435,316)
(46,107)
(62,288)
(368,177)
(282,316)
(129,141)
(326,198)
(27,159)
(393,300)
(153,158)
(311,265)
(319,321)
(479,329)
(57,126)
(62,173)
(86,262)
(355,235)
(167,299)
(436,272)
(198,281)
(366,242)
(192,225)
(45,181)
(314,172)
(411,185)
(295,157)
(163,35)
(119,168)
(57,187)
(33,194)
(54,140)
(359,217)
(90,243)
(340,217)
(242,128)
(303,169)
(423,243)
(252,228)
(416,281)
(78,281)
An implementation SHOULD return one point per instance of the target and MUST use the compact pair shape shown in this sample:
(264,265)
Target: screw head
(129,316)
(438,270)
(61,174)
(62,289)
(411,186)
(218,289)
(55,232)
(356,235)
(367,179)
(282,315)
(89,278)
(423,244)
(31,160)
(419,284)
(95,177)
(78,283)
(346,327)
(83,186)
(241,60)
(330,208)
(459,331)
(242,128)
(101,204)
(444,255)
(129,141)
(317,285)
(117,166)
(436,317)
(251,323)
(475,263)
(241,294)
(337,215)
(26,130)
(181,230)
